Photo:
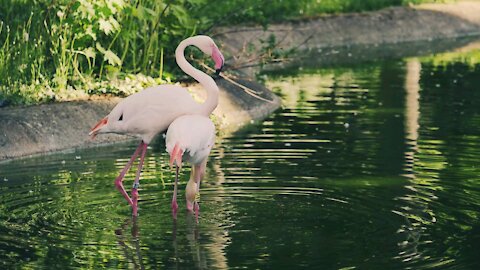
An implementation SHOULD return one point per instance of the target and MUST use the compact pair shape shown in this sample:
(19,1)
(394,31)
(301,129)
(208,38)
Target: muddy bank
(46,128)
(366,33)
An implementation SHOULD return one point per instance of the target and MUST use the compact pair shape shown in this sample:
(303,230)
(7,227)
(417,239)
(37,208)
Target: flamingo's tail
(176,156)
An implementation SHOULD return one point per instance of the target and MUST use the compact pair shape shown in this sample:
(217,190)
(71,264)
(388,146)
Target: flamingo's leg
(174,199)
(119,179)
(136,183)
(197,210)
(196,205)
(198,178)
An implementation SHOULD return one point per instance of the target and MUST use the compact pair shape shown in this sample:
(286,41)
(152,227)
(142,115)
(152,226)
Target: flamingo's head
(208,47)
(191,194)
(112,123)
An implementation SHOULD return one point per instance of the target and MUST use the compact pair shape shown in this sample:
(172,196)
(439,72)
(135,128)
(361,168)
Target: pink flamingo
(190,138)
(151,111)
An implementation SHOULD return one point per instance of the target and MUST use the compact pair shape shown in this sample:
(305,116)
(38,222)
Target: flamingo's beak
(176,156)
(218,59)
(94,131)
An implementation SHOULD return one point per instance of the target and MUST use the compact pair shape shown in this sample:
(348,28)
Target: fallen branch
(243,87)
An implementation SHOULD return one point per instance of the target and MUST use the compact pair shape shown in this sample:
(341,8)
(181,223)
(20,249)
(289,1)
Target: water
(367,166)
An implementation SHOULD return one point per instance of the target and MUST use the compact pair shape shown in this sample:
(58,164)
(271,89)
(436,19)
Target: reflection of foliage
(443,187)
(67,214)
(470,58)
(54,220)
(438,192)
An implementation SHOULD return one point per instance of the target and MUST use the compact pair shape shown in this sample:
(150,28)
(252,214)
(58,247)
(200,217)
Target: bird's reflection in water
(189,248)
(195,213)
(192,236)
(130,245)
(185,243)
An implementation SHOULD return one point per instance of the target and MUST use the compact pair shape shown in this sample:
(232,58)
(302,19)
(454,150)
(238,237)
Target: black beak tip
(217,72)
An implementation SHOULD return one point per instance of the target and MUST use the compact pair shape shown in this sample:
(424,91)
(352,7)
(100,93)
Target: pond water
(369,166)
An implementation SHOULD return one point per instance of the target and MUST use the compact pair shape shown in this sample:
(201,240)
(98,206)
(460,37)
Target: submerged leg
(200,172)
(174,199)
(176,158)
(119,179)
(136,183)
(197,210)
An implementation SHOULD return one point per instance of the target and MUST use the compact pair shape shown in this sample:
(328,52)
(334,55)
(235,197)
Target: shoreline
(39,129)
(369,31)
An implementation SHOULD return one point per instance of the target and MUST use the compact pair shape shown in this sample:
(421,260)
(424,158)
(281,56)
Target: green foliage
(265,12)
(50,48)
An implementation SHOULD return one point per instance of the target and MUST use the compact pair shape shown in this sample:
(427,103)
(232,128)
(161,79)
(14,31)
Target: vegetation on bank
(67,49)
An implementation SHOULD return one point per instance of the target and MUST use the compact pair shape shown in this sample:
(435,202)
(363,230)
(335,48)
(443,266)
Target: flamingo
(152,110)
(190,138)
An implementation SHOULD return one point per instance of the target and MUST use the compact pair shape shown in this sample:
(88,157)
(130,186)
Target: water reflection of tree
(351,119)
(415,205)
(450,109)
(442,149)
(388,107)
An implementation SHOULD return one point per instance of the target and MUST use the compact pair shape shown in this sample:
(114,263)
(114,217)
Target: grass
(66,49)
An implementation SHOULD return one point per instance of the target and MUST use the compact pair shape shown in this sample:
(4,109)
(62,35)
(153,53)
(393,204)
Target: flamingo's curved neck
(206,81)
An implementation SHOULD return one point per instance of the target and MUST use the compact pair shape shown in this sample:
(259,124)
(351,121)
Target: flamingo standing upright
(152,110)
(190,138)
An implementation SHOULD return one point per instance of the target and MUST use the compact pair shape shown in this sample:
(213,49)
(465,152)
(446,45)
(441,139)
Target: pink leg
(119,179)
(136,183)
(174,199)
(197,210)
(201,173)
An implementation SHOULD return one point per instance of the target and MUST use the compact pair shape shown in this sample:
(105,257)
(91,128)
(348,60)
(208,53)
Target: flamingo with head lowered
(190,138)
(152,110)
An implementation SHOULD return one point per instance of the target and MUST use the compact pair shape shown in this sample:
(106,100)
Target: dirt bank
(364,30)
(45,128)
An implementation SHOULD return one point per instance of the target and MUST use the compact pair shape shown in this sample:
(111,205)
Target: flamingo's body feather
(150,111)
(195,135)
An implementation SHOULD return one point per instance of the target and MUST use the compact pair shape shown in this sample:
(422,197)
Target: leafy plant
(50,50)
